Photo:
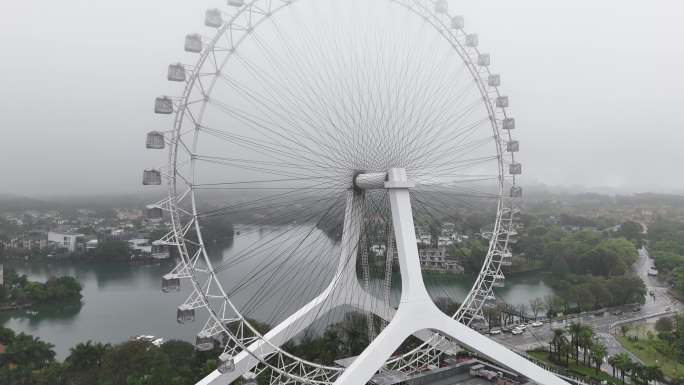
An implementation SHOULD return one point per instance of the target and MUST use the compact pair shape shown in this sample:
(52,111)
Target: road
(601,324)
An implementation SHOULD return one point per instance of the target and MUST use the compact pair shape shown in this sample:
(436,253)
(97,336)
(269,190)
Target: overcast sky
(597,88)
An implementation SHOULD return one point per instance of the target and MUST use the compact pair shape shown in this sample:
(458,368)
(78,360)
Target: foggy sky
(596,87)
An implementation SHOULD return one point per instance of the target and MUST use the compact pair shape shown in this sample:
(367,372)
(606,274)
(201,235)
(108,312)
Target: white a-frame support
(417,314)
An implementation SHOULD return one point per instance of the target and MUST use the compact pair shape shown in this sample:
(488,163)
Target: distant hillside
(10,202)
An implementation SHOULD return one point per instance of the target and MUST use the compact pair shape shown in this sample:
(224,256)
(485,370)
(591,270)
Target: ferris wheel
(356,126)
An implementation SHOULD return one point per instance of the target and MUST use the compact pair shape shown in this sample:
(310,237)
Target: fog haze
(596,88)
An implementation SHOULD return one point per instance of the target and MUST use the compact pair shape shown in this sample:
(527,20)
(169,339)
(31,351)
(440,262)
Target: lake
(120,301)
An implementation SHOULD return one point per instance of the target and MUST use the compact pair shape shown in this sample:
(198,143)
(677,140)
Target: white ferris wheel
(355,125)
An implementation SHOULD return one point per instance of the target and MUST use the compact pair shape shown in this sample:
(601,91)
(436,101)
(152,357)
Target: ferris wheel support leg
(418,312)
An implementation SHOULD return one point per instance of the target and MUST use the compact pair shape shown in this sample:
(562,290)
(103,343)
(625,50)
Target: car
(636,309)
(537,324)
(618,312)
(495,332)
(668,308)
(505,330)
(521,327)
(517,331)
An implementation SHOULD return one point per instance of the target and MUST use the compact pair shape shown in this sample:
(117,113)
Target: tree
(664,324)
(575,329)
(586,340)
(559,266)
(537,306)
(559,339)
(624,329)
(84,362)
(598,353)
(613,362)
(134,360)
(623,363)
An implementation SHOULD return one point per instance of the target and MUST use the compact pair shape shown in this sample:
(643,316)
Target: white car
(517,331)
(495,332)
(521,327)
(537,324)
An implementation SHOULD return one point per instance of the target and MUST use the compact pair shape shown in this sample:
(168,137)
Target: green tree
(598,353)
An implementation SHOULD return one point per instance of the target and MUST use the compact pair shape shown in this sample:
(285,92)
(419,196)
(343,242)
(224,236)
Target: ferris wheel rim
(173,159)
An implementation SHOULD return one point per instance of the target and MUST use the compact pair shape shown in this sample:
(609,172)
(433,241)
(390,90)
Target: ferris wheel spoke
(263,129)
(272,150)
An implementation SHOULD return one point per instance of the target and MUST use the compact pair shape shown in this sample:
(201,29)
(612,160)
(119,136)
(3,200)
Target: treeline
(666,246)
(578,252)
(591,269)
(19,291)
(29,361)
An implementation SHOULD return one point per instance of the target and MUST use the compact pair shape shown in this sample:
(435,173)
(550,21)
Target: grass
(574,368)
(646,349)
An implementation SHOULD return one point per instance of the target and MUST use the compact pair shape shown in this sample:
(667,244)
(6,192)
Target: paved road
(539,337)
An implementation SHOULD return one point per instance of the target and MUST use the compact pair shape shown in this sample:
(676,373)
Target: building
(156,249)
(64,240)
(30,241)
(436,260)
(453,372)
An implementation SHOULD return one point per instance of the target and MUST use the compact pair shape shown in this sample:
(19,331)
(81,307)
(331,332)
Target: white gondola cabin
(185,314)
(494,80)
(502,101)
(236,3)
(457,22)
(515,168)
(226,363)
(170,282)
(472,40)
(163,105)
(508,124)
(193,43)
(152,178)
(483,59)
(516,192)
(249,378)
(176,73)
(499,281)
(513,146)
(155,140)
(154,213)
(441,6)
(213,18)
(204,342)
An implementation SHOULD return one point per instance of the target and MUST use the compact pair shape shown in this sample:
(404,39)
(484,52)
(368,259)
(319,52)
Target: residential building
(64,239)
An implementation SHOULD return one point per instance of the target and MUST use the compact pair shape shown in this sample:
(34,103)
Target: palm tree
(557,341)
(575,329)
(586,340)
(566,350)
(653,373)
(598,353)
(613,362)
(623,362)
(87,355)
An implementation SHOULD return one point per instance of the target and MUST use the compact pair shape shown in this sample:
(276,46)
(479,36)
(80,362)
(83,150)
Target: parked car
(618,312)
(537,324)
(521,327)
(495,332)
(517,331)
(636,309)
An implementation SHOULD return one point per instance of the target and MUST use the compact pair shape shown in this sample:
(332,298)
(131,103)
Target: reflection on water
(120,301)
